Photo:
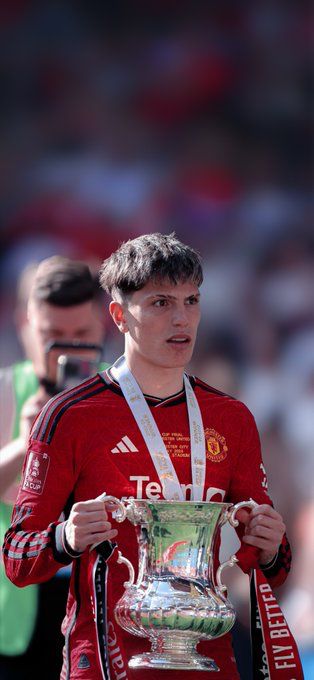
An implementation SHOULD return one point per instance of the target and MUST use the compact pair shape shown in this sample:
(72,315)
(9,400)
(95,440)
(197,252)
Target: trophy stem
(172,651)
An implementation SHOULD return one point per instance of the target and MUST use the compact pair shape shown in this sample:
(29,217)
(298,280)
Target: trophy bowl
(178,599)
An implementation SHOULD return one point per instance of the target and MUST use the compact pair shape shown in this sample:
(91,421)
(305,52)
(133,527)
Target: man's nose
(179,317)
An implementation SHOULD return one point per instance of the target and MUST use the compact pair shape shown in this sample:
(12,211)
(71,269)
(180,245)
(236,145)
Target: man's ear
(117,313)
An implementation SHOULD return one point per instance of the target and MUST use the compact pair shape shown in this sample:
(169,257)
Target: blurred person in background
(63,306)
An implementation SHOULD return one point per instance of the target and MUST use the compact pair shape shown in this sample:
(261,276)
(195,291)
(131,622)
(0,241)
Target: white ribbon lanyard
(137,403)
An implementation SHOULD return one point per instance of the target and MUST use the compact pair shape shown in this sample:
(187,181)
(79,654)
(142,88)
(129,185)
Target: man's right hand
(88,525)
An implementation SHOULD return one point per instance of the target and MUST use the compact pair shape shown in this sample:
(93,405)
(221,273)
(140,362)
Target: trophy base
(170,662)
(173,652)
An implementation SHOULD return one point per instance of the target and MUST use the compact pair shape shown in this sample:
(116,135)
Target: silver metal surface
(177,599)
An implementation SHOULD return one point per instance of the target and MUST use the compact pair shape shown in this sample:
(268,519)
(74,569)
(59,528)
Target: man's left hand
(264,528)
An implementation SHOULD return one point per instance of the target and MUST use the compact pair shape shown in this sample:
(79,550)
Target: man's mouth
(179,340)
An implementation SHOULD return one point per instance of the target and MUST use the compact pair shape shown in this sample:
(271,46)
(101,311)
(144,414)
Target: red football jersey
(86,442)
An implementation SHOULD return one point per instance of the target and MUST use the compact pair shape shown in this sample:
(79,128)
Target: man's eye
(192,301)
(160,303)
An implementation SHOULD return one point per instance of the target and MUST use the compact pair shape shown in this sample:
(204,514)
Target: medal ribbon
(274,647)
(275,654)
(137,403)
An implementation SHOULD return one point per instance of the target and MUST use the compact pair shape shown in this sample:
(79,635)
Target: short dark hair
(63,282)
(151,257)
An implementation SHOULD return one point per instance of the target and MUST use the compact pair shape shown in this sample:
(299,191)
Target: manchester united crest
(216,446)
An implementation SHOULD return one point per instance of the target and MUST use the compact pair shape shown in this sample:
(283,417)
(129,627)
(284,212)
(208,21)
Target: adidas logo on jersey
(125,446)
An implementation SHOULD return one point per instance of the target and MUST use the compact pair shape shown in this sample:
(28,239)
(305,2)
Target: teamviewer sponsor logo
(125,446)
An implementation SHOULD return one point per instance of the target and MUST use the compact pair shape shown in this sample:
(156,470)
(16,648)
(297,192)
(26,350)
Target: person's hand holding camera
(29,413)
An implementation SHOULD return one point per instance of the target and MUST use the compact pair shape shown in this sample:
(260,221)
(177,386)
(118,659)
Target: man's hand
(88,525)
(30,411)
(264,528)
(12,454)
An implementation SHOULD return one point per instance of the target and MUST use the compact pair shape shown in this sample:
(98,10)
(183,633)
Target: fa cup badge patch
(36,472)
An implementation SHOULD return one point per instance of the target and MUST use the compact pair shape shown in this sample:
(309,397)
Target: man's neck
(157,381)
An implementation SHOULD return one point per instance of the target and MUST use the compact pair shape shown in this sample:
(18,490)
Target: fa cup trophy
(178,599)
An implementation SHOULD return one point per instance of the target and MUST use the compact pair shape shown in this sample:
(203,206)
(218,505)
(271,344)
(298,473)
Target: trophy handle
(120,515)
(232,513)
(221,587)
(124,560)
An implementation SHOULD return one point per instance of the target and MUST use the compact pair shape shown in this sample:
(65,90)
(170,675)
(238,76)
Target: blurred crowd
(131,117)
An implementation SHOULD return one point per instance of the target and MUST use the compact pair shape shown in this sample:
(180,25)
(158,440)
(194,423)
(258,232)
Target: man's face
(49,323)
(160,322)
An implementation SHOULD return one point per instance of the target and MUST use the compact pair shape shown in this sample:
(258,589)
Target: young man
(89,441)
(62,305)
